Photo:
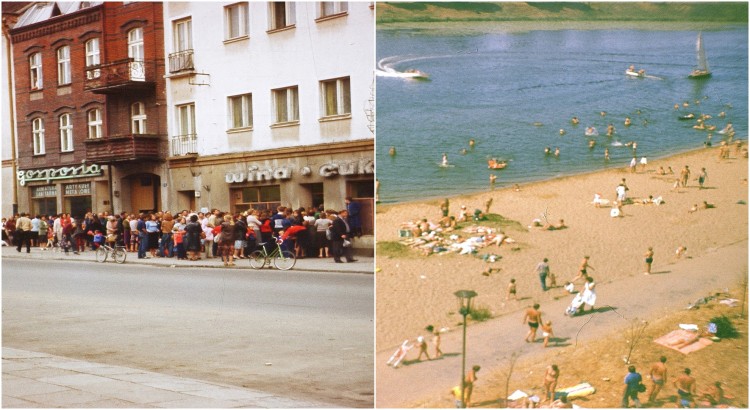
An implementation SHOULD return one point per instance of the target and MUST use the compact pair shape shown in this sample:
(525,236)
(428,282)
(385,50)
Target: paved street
(297,335)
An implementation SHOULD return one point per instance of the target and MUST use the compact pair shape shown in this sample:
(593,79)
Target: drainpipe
(111,195)
(12,109)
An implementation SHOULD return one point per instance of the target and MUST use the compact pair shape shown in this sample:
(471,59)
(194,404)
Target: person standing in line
(632,383)
(542,268)
(649,260)
(658,376)
(43,228)
(23,233)
(142,237)
(532,317)
(353,208)
(34,233)
(340,234)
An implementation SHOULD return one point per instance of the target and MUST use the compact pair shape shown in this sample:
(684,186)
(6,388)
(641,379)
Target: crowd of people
(189,235)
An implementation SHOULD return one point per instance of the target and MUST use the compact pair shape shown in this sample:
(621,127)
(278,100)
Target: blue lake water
(513,91)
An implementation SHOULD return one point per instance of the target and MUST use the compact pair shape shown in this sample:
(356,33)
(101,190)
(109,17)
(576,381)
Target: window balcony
(123,148)
(182,145)
(181,62)
(118,76)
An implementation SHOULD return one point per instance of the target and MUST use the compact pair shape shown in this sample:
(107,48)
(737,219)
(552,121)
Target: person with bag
(633,386)
(341,238)
(226,240)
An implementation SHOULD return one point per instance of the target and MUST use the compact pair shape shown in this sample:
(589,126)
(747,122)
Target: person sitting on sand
(599,201)
(706,205)
(694,208)
(463,214)
(570,287)
(562,403)
(616,210)
(712,396)
(550,227)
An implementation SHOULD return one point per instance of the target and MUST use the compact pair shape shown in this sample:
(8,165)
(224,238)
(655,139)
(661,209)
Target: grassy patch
(393,249)
(496,221)
(480,314)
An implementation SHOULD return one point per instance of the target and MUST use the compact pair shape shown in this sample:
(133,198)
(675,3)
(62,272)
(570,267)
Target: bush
(724,327)
(480,314)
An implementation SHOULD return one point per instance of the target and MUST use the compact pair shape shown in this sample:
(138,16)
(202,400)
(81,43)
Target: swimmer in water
(557,151)
(547,151)
(627,121)
(562,131)
(574,121)
(606,153)
(471,143)
(463,151)
(392,151)
(445,159)
(592,143)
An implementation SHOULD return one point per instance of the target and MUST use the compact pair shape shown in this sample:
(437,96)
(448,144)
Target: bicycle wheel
(257,260)
(119,255)
(285,260)
(101,255)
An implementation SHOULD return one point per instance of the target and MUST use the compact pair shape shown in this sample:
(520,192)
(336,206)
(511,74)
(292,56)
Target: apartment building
(270,103)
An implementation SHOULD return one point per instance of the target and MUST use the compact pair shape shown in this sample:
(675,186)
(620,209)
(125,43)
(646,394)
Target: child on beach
(435,340)
(547,331)
(511,290)
(422,348)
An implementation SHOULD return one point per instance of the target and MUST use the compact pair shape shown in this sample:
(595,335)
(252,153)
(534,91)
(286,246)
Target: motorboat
(702,70)
(686,117)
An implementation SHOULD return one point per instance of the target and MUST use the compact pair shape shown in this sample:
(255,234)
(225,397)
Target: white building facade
(270,103)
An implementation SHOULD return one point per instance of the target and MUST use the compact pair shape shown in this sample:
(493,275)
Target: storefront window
(260,198)
(363,192)
(77,199)
(44,200)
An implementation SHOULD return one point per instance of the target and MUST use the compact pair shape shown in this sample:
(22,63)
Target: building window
(286,102)
(35,62)
(236,21)
(63,65)
(332,8)
(335,97)
(137,54)
(281,14)
(37,132)
(186,141)
(92,58)
(264,198)
(182,58)
(95,123)
(241,111)
(66,133)
(138,118)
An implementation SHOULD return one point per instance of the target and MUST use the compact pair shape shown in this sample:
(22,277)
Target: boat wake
(385,67)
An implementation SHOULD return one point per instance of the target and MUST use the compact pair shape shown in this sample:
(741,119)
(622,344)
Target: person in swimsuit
(685,385)
(511,290)
(550,381)
(533,317)
(658,375)
(649,259)
(547,331)
(471,377)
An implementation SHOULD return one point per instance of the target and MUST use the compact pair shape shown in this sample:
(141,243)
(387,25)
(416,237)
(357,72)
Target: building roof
(41,11)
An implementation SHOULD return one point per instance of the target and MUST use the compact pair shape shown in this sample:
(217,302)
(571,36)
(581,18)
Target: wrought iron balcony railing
(119,74)
(183,145)
(181,61)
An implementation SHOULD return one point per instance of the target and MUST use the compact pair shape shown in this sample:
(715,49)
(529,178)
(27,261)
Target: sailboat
(702,70)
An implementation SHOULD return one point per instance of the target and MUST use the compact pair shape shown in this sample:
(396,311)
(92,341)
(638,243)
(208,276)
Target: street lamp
(464,308)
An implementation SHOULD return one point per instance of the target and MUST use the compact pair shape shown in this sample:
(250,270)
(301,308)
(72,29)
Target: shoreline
(510,185)
(423,285)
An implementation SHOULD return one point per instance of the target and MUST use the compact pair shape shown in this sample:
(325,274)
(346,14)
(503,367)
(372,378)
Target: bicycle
(282,259)
(117,253)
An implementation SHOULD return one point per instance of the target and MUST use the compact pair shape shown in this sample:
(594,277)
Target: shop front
(73,189)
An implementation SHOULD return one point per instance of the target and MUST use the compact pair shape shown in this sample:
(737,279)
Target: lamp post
(464,308)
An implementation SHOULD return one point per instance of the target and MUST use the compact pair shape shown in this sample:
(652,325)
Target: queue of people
(308,232)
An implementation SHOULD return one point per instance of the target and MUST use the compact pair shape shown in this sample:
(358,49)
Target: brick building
(90,106)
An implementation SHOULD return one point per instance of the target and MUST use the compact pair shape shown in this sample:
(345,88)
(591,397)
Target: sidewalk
(33,379)
(363,264)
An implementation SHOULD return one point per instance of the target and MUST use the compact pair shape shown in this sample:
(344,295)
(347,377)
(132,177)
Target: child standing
(547,331)
(511,290)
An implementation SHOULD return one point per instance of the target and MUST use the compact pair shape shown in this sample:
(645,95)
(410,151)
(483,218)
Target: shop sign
(255,173)
(50,174)
(361,167)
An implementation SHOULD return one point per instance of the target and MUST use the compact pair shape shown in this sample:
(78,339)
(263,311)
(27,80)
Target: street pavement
(39,380)
(363,264)
(34,379)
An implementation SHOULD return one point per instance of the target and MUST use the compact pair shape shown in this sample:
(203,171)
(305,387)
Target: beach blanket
(684,341)
(579,390)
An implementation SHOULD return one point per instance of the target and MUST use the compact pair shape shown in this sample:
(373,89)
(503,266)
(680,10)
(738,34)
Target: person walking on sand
(547,331)
(658,375)
(511,290)
(649,260)
(632,381)
(532,317)
(542,268)
(684,176)
(471,377)
(702,178)
(583,269)
(685,384)
(445,207)
(550,381)
(435,340)
(422,348)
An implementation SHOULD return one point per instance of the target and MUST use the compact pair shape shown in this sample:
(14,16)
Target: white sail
(701,52)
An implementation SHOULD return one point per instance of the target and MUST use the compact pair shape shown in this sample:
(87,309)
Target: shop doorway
(363,192)
(144,192)
(313,195)
(78,206)
(185,200)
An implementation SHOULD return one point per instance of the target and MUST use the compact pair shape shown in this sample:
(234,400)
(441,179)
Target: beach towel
(579,390)
(684,341)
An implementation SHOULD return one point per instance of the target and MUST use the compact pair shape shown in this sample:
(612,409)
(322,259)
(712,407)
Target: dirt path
(672,287)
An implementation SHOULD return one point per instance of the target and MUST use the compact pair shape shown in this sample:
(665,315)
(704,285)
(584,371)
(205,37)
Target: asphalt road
(298,334)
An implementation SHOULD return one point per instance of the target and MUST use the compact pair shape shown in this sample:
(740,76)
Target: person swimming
(445,159)
(392,151)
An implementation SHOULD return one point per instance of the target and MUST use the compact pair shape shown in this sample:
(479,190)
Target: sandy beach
(414,290)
